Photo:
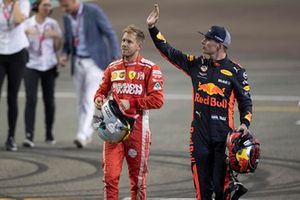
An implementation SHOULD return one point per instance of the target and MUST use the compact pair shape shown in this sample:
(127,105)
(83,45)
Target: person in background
(13,58)
(44,37)
(92,44)
(217,82)
(138,83)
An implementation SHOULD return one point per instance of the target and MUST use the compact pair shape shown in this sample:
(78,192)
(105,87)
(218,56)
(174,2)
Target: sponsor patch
(156,73)
(245,82)
(236,69)
(226,72)
(223,118)
(190,57)
(247,88)
(131,74)
(128,88)
(245,75)
(157,86)
(215,117)
(118,75)
(224,81)
(160,37)
(140,76)
(203,68)
(211,89)
(132,153)
(248,117)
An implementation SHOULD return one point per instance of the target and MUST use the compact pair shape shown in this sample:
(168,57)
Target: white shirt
(41,50)
(12,36)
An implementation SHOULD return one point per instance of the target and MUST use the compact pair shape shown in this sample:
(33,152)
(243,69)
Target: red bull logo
(211,89)
(243,159)
(212,101)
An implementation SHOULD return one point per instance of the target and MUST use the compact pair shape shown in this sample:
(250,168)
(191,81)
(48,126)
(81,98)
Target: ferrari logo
(131,74)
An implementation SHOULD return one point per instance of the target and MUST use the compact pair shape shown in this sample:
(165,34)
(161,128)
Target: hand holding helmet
(243,152)
(111,122)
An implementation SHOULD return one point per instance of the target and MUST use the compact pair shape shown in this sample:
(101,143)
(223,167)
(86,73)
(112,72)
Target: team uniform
(140,82)
(216,85)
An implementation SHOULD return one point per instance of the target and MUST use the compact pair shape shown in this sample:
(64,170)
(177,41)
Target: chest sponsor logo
(203,68)
(118,75)
(226,72)
(224,81)
(202,75)
(211,101)
(131,74)
(216,117)
(128,88)
(211,89)
(140,76)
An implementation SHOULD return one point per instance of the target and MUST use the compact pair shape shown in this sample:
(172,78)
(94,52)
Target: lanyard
(7,13)
(77,25)
(42,37)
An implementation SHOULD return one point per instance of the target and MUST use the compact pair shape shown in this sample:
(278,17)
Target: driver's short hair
(134,29)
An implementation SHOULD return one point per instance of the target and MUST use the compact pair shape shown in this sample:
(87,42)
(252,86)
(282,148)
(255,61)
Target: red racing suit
(140,82)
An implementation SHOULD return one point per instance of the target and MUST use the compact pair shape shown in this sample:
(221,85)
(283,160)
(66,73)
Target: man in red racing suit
(139,86)
(217,82)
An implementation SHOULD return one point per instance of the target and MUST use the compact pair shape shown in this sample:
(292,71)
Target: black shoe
(11,144)
(50,139)
(28,143)
(240,191)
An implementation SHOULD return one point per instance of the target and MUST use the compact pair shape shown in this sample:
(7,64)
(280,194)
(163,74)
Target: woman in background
(44,37)
(13,58)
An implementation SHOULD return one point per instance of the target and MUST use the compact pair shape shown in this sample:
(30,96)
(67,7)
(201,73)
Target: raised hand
(153,17)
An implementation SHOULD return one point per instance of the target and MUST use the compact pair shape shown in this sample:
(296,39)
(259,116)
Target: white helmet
(111,124)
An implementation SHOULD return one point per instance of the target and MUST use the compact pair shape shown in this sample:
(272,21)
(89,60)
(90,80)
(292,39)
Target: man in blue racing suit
(217,82)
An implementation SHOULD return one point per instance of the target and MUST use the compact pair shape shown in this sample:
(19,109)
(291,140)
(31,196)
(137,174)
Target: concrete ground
(264,40)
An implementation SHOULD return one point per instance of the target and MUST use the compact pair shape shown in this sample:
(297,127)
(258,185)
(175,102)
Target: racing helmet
(111,124)
(243,152)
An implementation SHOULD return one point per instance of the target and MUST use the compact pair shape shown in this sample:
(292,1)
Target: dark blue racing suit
(216,85)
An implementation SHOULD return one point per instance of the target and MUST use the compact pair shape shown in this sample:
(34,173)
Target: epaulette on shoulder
(147,63)
(114,63)
(237,64)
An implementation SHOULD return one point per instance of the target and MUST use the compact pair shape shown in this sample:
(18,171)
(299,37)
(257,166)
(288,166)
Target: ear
(140,45)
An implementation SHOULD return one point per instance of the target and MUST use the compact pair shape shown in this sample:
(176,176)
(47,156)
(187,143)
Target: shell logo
(226,72)
(247,88)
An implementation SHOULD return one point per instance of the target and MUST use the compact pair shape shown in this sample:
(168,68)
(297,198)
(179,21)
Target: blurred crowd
(32,47)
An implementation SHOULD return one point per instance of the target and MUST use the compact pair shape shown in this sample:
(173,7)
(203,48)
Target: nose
(203,41)
(124,43)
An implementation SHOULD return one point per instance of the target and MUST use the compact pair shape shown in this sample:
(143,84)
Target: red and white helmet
(243,152)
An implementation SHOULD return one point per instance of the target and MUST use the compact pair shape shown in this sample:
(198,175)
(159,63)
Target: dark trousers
(208,167)
(13,66)
(47,79)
